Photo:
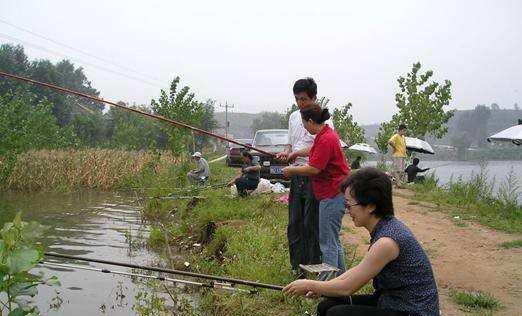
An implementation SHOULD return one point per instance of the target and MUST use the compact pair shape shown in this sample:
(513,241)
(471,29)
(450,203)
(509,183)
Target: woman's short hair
(315,113)
(247,154)
(371,186)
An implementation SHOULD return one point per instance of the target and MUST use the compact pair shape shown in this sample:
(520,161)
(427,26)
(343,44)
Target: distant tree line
(33,117)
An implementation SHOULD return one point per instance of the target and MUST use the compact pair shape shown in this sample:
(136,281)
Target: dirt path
(466,257)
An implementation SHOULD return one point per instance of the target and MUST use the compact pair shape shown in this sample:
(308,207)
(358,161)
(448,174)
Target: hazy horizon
(250,55)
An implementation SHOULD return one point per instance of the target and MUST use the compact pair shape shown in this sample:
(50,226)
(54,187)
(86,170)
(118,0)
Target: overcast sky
(250,53)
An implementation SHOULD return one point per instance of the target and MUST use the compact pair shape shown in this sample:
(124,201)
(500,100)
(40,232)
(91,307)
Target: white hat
(197,154)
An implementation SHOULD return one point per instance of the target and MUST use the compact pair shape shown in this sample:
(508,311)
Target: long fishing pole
(171,271)
(213,285)
(157,117)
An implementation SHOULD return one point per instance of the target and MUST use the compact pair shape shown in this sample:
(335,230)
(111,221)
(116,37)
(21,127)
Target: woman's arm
(382,252)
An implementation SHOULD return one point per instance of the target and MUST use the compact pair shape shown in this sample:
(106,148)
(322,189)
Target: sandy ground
(463,258)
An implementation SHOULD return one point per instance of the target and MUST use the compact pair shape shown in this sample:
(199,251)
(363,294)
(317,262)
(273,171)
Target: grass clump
(474,199)
(512,244)
(475,300)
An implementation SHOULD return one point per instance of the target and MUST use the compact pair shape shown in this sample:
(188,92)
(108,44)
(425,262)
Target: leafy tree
(131,131)
(286,116)
(421,103)
(63,73)
(267,120)
(386,130)
(180,106)
(90,129)
(208,123)
(25,127)
(12,60)
(346,127)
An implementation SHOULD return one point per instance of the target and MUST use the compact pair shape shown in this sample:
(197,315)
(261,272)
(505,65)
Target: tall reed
(101,169)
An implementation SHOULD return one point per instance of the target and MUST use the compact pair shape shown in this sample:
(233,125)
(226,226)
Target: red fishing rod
(158,117)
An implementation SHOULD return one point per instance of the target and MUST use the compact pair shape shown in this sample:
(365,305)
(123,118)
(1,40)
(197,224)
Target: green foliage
(182,107)
(475,300)
(25,126)
(267,120)
(386,130)
(286,116)
(133,132)
(512,244)
(421,103)
(63,73)
(346,127)
(20,251)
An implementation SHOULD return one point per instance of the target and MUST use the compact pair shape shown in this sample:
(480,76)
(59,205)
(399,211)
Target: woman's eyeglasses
(349,206)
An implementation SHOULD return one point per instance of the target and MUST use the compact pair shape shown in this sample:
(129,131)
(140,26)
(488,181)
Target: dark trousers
(355,305)
(243,184)
(303,223)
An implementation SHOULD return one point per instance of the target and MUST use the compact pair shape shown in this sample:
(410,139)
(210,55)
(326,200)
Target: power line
(9,37)
(79,50)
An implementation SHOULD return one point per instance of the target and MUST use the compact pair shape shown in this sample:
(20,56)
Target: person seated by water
(248,177)
(412,171)
(401,271)
(356,164)
(202,173)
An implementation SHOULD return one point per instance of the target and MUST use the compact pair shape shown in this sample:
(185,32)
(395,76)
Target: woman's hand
(298,288)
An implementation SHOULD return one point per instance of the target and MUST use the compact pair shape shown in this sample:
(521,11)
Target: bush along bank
(474,199)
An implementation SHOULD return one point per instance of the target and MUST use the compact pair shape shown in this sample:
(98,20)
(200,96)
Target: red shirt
(326,155)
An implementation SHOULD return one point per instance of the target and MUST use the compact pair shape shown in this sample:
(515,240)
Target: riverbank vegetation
(238,237)
(474,199)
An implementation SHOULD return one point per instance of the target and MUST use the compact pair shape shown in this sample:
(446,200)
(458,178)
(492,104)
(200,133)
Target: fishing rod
(154,116)
(232,281)
(211,285)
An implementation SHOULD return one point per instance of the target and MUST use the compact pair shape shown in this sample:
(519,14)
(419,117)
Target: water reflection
(92,224)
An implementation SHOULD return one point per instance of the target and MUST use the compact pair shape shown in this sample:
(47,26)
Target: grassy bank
(101,169)
(474,200)
(241,238)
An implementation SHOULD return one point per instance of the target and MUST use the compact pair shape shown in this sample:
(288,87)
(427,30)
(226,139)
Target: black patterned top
(406,283)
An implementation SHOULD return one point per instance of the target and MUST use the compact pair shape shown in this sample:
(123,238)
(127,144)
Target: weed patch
(512,244)
(476,300)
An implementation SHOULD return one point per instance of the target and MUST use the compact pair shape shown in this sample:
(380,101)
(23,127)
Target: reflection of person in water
(412,171)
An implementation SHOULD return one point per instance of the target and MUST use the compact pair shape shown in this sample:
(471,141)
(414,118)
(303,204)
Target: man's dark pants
(303,223)
(243,184)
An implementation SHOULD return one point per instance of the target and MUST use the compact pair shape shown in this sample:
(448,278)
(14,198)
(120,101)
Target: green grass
(512,244)
(474,200)
(249,243)
(475,301)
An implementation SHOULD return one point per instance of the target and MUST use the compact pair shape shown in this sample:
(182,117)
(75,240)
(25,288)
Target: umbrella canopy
(512,134)
(418,145)
(362,147)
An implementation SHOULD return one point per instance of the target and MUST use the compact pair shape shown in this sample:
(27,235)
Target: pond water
(90,224)
(497,171)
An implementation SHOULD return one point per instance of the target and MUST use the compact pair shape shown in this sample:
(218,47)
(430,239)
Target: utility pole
(227,123)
